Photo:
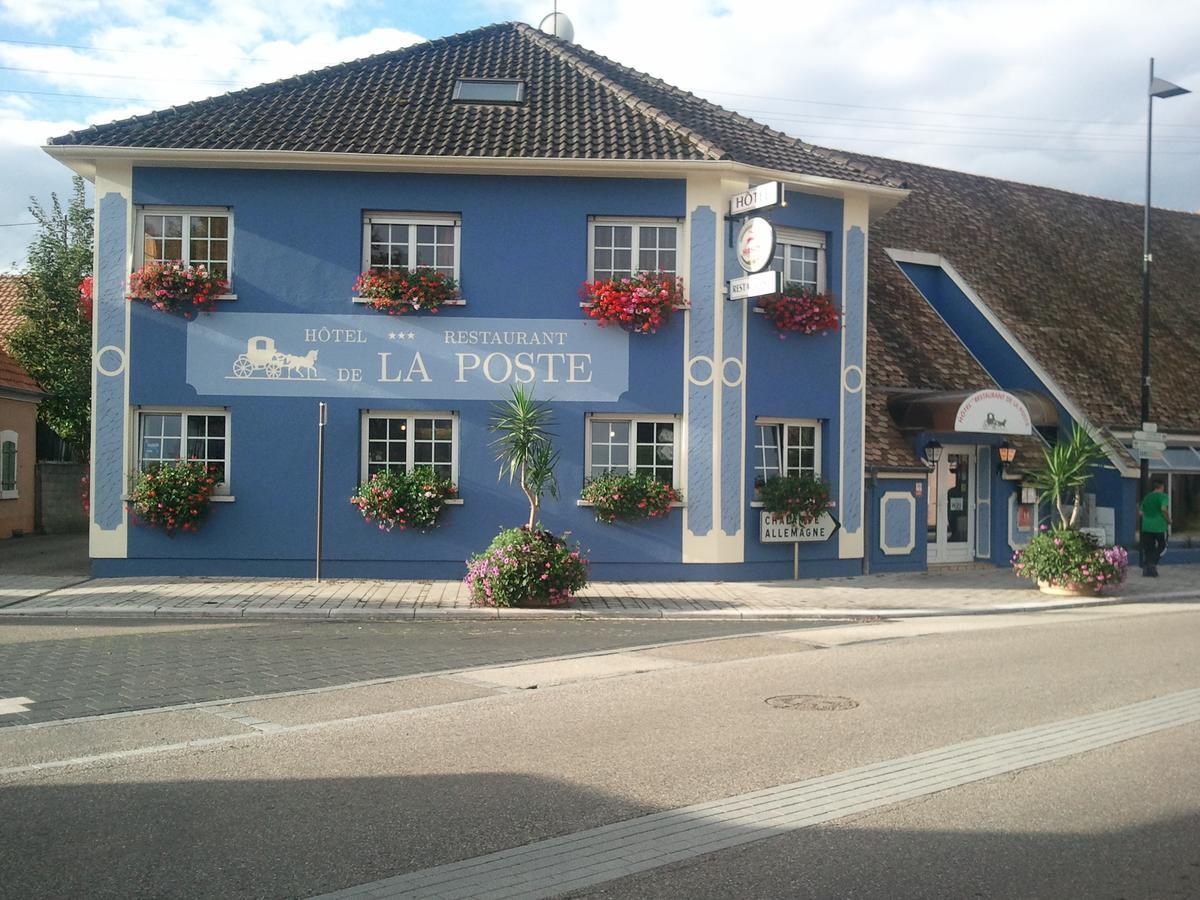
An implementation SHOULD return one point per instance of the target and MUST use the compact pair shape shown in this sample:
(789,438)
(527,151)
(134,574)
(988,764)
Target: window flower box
(394,499)
(400,290)
(175,286)
(641,303)
(797,310)
(628,496)
(174,496)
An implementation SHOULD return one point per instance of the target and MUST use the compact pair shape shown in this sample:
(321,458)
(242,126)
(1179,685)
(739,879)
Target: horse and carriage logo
(263,359)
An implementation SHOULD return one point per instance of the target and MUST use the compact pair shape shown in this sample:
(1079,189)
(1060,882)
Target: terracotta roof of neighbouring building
(10,293)
(1062,272)
(12,375)
(579,105)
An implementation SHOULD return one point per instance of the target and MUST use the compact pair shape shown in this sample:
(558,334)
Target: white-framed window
(800,257)
(200,236)
(166,436)
(786,447)
(412,240)
(408,440)
(647,444)
(617,248)
(9,441)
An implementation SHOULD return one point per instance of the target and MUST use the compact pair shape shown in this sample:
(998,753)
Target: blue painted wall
(916,560)
(1012,373)
(297,248)
(797,377)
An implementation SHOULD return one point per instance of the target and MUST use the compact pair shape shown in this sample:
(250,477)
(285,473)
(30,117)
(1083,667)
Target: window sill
(363,301)
(678,504)
(457,501)
(684,306)
(215,498)
(225,297)
(9,495)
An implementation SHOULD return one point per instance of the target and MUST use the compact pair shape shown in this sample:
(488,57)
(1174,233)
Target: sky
(1050,92)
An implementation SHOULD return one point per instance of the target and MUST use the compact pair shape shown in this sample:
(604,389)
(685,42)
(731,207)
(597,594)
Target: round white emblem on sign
(756,244)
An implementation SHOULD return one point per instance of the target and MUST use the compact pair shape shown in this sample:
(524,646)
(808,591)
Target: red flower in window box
(797,309)
(172,286)
(400,290)
(641,303)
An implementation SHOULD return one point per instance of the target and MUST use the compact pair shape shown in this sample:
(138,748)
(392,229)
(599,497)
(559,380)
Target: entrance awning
(988,411)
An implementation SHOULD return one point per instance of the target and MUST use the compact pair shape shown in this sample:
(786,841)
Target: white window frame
(633,421)
(635,249)
(139,255)
(410,415)
(763,421)
(221,492)
(793,237)
(377,217)
(13,493)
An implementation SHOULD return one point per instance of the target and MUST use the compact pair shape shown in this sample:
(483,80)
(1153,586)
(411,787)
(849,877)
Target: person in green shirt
(1156,518)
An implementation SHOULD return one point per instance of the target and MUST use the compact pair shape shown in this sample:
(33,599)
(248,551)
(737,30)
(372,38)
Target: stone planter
(1057,590)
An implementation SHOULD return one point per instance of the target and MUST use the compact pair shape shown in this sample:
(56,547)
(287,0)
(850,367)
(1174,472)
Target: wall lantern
(1007,453)
(933,452)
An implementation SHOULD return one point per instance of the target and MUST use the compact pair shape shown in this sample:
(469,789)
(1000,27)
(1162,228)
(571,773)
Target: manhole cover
(813,702)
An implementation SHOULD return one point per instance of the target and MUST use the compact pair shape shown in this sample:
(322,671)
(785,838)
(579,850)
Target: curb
(458,613)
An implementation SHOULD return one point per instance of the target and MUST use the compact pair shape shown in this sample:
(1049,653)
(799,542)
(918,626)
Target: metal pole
(1144,482)
(795,561)
(322,415)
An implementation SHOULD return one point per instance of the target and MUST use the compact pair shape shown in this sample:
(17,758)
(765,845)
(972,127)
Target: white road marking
(586,858)
(10,705)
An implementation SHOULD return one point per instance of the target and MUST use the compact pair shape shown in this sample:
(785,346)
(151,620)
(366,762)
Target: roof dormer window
(489,90)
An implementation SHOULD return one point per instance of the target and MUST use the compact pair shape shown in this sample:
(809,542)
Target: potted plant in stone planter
(1061,559)
(640,303)
(400,290)
(175,287)
(529,565)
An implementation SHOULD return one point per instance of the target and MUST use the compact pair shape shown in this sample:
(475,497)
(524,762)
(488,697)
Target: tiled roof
(10,293)
(11,374)
(579,105)
(1062,271)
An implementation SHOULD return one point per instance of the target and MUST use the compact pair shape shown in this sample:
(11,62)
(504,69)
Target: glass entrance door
(951,514)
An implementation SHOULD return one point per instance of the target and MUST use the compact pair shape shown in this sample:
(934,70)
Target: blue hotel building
(522,165)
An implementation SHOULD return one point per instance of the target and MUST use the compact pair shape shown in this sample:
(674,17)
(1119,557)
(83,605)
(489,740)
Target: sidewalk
(984,590)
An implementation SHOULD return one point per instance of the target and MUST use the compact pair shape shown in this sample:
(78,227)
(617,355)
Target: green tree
(524,449)
(54,343)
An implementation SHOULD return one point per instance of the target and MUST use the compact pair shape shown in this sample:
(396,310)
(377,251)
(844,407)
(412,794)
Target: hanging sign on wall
(756,244)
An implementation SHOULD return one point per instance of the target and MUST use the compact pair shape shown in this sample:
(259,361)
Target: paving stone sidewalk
(971,590)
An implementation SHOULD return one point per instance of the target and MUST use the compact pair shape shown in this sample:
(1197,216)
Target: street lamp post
(1162,89)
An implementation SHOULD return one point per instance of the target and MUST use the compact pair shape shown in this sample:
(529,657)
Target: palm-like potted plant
(526,566)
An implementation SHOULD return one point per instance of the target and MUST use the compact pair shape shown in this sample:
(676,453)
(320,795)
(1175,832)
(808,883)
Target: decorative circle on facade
(741,372)
(120,364)
(852,379)
(701,382)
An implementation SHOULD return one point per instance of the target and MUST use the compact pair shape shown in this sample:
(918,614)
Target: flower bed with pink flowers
(1069,559)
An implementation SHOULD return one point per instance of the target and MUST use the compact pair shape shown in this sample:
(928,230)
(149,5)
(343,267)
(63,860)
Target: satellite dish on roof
(558,25)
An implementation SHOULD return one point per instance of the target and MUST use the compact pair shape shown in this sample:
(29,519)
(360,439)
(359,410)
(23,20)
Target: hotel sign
(761,197)
(993,412)
(414,358)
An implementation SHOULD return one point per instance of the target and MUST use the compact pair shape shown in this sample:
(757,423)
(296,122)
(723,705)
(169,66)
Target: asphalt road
(314,792)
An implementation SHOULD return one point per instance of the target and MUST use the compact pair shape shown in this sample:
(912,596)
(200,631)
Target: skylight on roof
(489,90)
